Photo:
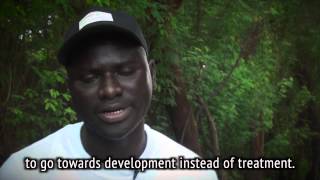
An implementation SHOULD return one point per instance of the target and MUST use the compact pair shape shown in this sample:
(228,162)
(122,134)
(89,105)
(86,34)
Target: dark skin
(108,78)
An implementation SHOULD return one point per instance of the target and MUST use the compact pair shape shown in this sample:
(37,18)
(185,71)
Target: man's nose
(110,87)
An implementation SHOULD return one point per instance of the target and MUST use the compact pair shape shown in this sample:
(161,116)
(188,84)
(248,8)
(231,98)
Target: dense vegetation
(233,77)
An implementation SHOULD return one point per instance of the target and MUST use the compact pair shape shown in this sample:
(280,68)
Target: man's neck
(133,145)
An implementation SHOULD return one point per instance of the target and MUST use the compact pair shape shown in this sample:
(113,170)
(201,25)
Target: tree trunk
(182,117)
(257,149)
(214,136)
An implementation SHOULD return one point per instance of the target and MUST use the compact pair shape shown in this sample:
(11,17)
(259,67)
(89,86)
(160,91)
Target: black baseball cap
(98,20)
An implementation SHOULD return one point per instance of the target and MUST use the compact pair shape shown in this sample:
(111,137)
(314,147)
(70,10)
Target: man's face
(111,88)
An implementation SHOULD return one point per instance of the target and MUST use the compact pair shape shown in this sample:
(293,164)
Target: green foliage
(37,96)
(274,90)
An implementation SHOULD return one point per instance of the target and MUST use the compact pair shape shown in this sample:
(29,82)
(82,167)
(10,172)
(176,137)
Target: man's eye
(89,78)
(126,71)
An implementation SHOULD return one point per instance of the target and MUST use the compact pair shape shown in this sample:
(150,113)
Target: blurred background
(234,78)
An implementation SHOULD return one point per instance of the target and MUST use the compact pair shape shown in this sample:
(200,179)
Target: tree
(233,77)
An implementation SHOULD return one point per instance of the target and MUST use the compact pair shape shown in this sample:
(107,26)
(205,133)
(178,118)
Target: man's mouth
(115,115)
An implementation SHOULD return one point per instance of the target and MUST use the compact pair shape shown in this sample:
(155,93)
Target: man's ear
(152,67)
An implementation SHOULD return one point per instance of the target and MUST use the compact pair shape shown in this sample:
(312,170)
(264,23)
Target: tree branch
(248,48)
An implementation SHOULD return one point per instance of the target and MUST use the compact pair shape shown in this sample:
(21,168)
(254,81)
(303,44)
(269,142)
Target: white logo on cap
(95,16)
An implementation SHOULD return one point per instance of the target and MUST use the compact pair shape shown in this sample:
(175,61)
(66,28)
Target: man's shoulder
(165,147)
(51,143)
(45,148)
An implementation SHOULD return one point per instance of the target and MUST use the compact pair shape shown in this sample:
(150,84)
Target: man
(110,81)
